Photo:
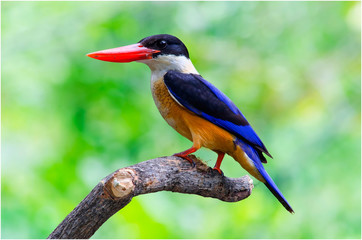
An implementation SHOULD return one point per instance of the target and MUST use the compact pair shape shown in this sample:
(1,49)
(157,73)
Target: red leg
(220,157)
(185,154)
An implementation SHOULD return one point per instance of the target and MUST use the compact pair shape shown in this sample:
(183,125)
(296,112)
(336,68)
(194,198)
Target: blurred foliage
(68,120)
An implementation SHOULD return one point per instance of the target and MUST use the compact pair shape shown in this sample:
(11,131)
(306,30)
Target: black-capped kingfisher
(194,107)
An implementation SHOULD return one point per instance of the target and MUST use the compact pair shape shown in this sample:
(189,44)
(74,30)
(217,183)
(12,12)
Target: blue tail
(254,155)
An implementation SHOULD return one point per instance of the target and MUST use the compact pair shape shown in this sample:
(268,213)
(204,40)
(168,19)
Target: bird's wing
(202,98)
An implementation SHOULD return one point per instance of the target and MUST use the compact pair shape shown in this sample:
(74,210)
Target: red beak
(124,54)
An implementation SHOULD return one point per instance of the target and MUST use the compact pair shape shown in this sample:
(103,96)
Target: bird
(194,107)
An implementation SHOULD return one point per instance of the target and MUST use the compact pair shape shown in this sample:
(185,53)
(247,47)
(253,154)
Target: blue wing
(205,100)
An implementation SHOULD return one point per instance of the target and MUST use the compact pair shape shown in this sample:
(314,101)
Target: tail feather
(269,183)
(255,157)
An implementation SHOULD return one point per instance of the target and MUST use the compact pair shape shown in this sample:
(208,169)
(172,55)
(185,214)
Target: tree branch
(160,174)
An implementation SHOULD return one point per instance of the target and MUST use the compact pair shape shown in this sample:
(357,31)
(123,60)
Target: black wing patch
(191,89)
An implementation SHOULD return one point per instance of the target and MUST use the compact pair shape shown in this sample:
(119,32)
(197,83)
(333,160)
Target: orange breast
(198,130)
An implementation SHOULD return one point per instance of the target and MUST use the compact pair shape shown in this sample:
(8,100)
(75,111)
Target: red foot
(220,157)
(185,154)
(219,170)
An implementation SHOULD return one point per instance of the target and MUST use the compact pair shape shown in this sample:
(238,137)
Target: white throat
(162,64)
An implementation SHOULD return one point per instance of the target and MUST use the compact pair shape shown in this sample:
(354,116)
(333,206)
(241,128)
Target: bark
(160,174)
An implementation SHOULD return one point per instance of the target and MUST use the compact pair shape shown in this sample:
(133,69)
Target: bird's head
(159,52)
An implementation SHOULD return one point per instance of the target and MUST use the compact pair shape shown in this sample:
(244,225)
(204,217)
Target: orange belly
(198,130)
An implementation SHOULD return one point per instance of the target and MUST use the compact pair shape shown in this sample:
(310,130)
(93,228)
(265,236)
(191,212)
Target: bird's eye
(161,44)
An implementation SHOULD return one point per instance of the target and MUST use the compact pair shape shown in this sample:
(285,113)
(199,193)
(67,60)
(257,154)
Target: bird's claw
(219,171)
(186,158)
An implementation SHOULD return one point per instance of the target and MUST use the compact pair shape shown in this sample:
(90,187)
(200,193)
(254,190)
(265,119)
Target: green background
(69,120)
